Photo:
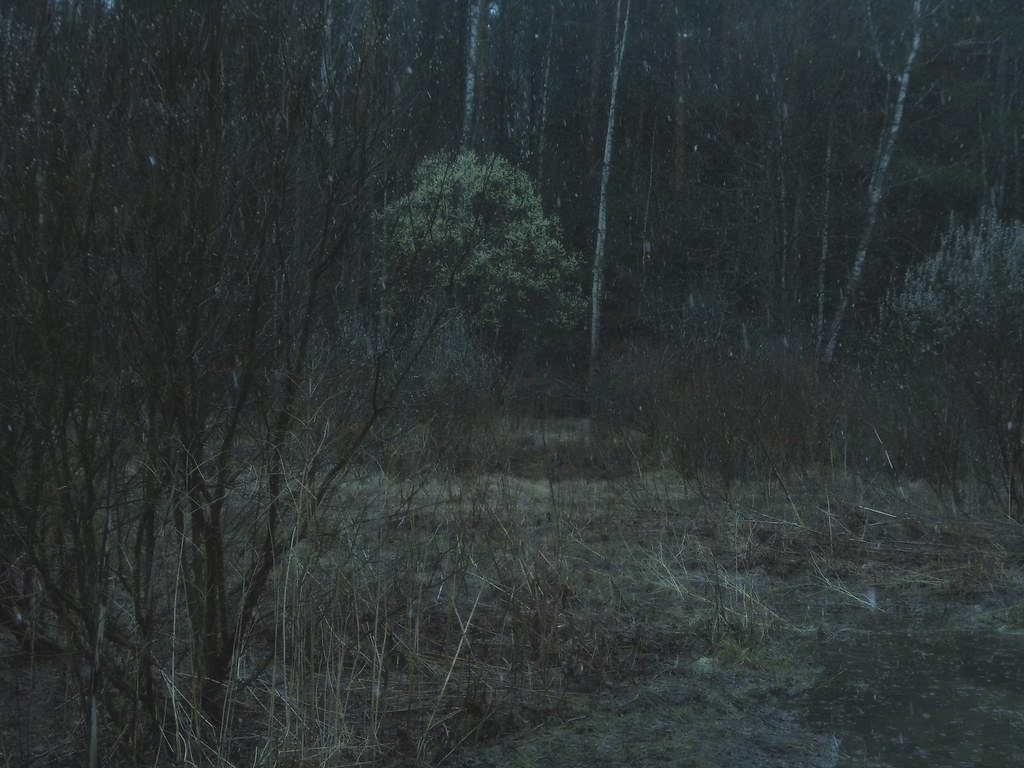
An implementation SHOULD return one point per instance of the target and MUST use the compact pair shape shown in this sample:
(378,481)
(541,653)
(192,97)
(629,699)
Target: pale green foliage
(472,234)
(970,291)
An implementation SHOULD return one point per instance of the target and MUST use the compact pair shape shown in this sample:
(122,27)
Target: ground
(740,594)
(543,613)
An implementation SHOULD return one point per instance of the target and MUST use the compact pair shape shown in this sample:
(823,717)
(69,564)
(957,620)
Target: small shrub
(446,420)
(474,232)
(970,293)
(716,416)
(962,311)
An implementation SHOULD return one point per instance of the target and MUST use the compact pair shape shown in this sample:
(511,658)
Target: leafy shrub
(473,233)
(964,309)
(970,293)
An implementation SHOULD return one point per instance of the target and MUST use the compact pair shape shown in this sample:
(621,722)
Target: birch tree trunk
(876,188)
(602,207)
(819,328)
(545,100)
(472,47)
(679,114)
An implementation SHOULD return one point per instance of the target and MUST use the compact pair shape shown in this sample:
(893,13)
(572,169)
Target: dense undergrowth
(492,552)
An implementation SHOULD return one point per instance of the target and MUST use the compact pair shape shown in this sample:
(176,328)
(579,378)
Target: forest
(296,292)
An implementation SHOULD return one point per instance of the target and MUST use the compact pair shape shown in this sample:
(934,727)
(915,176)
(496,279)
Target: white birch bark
(606,164)
(475,8)
(819,330)
(545,99)
(876,188)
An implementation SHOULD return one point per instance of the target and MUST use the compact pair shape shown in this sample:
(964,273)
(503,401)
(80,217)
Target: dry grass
(424,612)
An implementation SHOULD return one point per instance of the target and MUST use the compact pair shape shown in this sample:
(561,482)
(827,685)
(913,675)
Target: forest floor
(670,621)
(744,709)
(737,598)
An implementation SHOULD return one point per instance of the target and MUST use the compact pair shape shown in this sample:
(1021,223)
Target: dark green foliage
(471,234)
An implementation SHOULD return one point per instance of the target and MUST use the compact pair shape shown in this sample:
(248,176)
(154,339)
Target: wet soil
(700,713)
(781,705)
(765,687)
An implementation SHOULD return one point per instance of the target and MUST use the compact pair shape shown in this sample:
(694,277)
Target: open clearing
(540,613)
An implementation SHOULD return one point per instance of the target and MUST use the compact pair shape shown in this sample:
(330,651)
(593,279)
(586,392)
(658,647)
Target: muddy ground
(735,709)
(741,707)
(696,613)
(740,593)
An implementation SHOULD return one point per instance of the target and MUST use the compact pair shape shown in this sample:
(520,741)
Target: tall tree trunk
(596,56)
(819,330)
(476,22)
(606,164)
(876,188)
(997,195)
(545,101)
(679,115)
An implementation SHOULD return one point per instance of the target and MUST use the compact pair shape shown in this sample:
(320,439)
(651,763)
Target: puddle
(921,698)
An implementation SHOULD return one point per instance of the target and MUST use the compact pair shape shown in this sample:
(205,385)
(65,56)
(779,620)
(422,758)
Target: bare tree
(545,98)
(182,397)
(819,326)
(476,27)
(597,282)
(876,184)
